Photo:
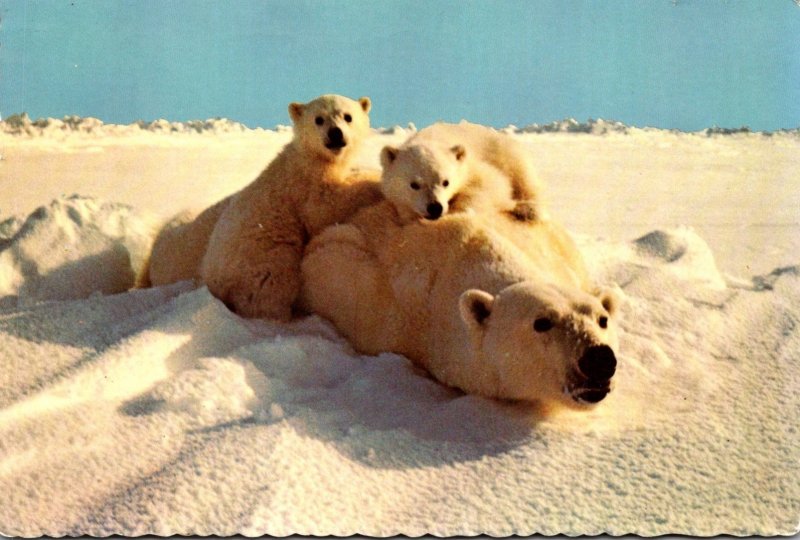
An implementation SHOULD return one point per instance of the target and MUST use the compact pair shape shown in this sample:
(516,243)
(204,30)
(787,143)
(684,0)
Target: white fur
(460,167)
(460,299)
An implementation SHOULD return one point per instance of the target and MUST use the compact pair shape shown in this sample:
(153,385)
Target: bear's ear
(388,155)
(609,299)
(366,104)
(296,111)
(475,306)
(459,151)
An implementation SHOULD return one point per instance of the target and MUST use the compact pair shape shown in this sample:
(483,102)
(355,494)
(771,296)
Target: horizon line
(567,124)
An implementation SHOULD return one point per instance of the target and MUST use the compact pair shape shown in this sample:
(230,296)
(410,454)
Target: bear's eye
(446,183)
(414,186)
(319,120)
(603,321)
(543,324)
(348,118)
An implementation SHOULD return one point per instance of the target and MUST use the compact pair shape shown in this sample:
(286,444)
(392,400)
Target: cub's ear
(388,155)
(475,306)
(459,151)
(609,299)
(366,104)
(296,111)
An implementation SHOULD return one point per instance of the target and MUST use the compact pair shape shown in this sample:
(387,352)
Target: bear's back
(472,136)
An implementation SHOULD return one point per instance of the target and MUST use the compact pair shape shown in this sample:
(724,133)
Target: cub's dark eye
(603,322)
(348,118)
(319,120)
(543,324)
(414,186)
(446,183)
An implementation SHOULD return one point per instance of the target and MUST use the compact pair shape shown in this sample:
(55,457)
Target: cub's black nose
(434,210)
(336,136)
(598,363)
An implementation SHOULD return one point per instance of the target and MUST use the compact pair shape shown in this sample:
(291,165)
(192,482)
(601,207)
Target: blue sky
(684,64)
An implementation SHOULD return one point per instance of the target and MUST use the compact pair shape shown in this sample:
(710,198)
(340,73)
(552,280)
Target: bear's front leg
(528,211)
(253,263)
(344,282)
(269,287)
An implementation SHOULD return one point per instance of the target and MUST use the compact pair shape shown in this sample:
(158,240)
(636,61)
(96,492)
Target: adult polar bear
(462,300)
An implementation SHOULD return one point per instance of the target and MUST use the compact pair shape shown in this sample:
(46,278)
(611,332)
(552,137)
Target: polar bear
(247,247)
(462,301)
(457,167)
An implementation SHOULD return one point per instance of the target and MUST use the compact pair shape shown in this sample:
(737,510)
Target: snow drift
(158,411)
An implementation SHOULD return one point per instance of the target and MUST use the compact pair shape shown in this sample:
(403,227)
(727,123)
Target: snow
(157,411)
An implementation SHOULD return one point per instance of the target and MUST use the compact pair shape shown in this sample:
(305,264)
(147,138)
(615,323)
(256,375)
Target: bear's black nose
(434,210)
(598,363)
(336,137)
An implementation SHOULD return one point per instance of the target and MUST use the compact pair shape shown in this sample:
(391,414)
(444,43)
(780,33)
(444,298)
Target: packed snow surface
(158,411)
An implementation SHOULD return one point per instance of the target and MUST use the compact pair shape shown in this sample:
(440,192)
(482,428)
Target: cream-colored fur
(462,300)
(253,258)
(247,247)
(450,168)
(180,245)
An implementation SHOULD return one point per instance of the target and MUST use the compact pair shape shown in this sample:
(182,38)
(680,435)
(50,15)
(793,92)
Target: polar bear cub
(252,261)
(458,167)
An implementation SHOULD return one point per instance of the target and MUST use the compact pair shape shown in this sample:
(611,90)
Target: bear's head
(544,342)
(422,179)
(331,127)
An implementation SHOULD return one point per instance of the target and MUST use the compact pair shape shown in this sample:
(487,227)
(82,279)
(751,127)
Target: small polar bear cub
(448,168)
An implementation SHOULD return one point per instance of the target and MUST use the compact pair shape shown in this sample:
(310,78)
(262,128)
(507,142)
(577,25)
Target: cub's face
(422,179)
(331,127)
(545,343)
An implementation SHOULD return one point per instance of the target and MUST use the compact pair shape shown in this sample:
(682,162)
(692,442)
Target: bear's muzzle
(434,210)
(598,363)
(336,139)
(591,382)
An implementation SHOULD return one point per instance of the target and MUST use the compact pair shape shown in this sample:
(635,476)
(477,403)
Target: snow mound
(71,248)
(685,254)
